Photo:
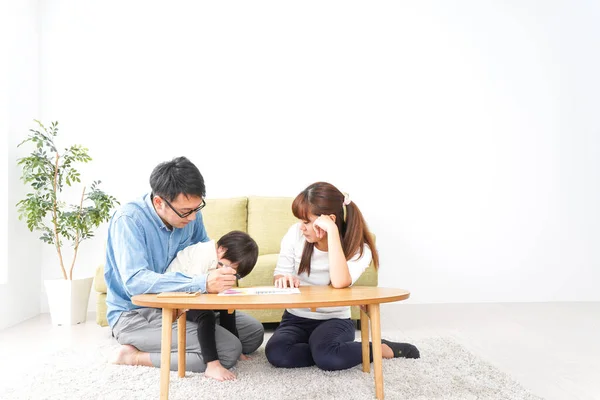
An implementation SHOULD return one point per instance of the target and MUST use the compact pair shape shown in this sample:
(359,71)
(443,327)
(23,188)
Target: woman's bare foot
(244,357)
(215,370)
(129,355)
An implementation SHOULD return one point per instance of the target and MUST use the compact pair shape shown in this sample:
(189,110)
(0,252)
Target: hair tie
(347,199)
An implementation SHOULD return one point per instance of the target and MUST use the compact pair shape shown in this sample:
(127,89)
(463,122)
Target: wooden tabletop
(309,297)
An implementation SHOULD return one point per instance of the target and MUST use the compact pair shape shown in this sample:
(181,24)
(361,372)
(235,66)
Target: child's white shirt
(196,259)
(288,263)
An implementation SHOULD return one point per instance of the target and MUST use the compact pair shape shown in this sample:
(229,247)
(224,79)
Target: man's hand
(283,281)
(220,279)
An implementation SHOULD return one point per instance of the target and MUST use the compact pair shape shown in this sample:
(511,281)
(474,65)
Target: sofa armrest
(368,278)
(99,282)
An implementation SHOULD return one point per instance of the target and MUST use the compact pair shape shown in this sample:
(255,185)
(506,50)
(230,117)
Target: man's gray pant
(142,328)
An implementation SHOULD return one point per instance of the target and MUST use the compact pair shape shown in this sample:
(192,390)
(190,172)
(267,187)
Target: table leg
(165,352)
(181,344)
(364,337)
(376,340)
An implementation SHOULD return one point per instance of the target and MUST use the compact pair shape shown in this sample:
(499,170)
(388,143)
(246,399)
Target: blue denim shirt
(140,248)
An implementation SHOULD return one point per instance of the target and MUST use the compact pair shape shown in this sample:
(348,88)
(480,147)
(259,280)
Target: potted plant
(46,171)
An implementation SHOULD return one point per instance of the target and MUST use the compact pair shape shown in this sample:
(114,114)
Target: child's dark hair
(240,248)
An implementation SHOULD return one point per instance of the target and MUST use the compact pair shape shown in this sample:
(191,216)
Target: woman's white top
(288,263)
(196,259)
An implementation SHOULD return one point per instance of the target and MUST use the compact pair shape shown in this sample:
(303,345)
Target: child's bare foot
(126,355)
(215,370)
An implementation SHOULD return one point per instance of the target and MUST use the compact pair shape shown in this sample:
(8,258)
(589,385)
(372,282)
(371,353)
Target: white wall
(20,294)
(4,140)
(466,132)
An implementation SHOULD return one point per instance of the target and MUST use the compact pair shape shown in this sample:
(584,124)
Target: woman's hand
(283,281)
(324,224)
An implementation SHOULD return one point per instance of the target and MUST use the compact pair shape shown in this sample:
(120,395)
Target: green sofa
(266,219)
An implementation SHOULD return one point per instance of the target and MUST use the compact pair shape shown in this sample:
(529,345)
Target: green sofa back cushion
(225,215)
(262,274)
(269,218)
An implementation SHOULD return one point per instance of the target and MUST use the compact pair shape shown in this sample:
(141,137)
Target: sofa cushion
(225,215)
(101,309)
(266,315)
(99,282)
(269,218)
(262,274)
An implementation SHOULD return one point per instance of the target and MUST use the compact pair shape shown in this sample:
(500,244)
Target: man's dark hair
(240,248)
(179,175)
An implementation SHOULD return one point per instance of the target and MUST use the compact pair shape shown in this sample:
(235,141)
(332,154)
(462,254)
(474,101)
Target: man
(144,236)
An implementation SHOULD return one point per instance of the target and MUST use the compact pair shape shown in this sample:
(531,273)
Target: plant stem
(77,237)
(55,221)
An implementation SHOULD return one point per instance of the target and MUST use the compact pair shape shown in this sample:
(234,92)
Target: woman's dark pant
(303,342)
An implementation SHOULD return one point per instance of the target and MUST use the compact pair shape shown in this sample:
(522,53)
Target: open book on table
(259,290)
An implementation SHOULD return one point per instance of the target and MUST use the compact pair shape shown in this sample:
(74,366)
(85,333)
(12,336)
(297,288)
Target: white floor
(551,348)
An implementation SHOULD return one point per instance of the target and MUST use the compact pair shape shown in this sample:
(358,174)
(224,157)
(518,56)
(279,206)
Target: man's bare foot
(244,357)
(215,370)
(130,355)
(126,355)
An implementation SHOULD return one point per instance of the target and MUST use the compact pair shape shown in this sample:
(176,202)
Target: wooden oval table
(309,297)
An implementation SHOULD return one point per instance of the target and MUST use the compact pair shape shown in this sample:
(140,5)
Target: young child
(235,249)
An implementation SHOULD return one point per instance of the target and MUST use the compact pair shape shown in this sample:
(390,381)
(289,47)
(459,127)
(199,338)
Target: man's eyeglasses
(185,214)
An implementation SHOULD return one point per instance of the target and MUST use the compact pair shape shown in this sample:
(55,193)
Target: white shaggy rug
(445,371)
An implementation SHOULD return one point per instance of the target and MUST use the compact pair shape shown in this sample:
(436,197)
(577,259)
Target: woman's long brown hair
(324,198)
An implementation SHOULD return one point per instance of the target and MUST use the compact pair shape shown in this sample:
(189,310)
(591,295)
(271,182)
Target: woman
(331,245)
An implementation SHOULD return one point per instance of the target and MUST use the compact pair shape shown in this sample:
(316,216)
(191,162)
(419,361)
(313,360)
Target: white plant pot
(68,300)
